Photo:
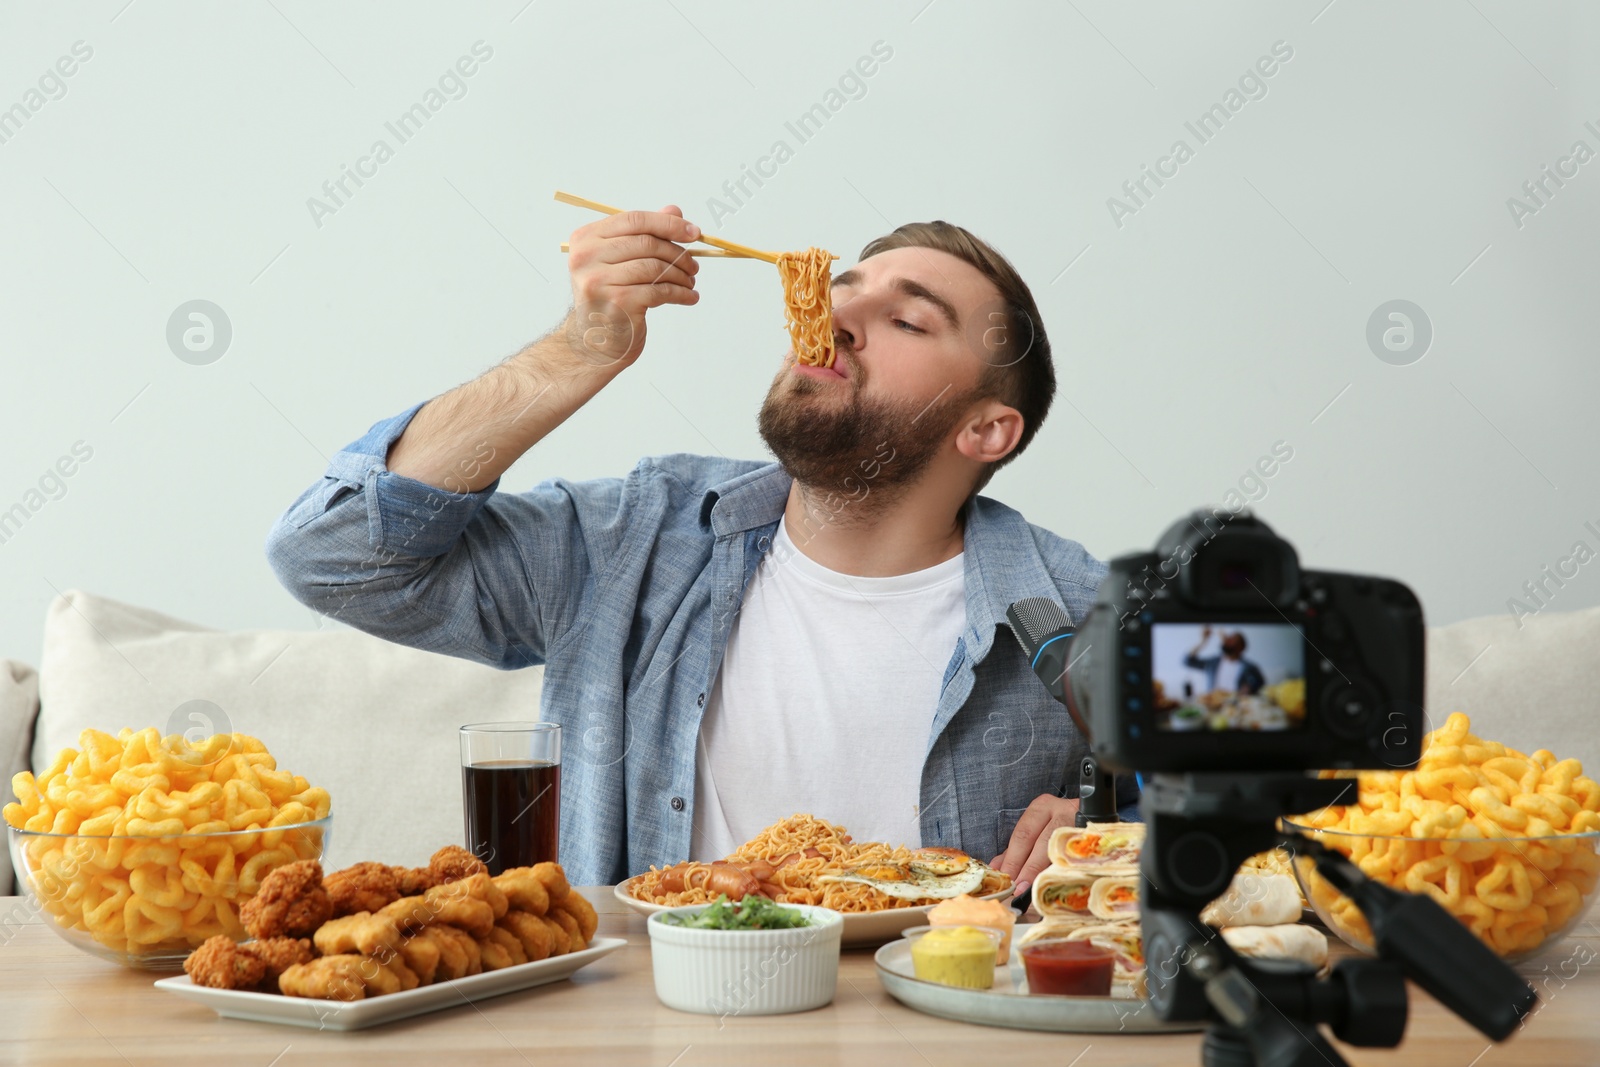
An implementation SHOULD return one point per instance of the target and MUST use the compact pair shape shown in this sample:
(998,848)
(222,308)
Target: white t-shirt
(825,700)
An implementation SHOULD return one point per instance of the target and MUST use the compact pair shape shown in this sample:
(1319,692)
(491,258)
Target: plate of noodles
(880,889)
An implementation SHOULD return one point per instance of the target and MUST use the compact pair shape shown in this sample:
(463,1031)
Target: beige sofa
(375,723)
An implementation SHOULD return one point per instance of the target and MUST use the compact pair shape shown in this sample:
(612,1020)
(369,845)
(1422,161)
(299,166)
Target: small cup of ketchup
(1068,968)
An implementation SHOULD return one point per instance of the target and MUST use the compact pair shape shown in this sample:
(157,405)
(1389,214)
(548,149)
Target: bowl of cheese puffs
(1507,842)
(140,847)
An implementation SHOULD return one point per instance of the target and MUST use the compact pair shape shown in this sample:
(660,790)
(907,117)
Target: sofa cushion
(19,704)
(1530,684)
(372,722)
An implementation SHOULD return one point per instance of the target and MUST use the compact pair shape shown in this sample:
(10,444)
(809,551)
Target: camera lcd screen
(1228,676)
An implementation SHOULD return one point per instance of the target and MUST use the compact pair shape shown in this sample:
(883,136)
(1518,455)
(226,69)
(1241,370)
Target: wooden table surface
(58,1005)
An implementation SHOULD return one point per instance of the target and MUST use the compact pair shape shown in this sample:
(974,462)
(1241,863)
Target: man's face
(1233,646)
(907,325)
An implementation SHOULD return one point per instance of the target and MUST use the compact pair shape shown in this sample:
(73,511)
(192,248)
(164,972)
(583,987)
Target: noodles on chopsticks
(808,308)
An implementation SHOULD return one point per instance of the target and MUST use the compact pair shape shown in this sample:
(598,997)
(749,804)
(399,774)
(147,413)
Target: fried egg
(931,873)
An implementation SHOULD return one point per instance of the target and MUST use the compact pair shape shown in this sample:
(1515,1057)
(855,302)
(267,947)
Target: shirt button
(700,701)
(764,543)
(677,803)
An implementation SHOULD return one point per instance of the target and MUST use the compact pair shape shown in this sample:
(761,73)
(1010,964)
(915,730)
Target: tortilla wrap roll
(1056,928)
(1290,941)
(1061,891)
(1125,943)
(1115,899)
(1255,900)
(1102,847)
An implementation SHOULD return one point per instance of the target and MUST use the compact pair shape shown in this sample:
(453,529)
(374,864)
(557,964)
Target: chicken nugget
(510,942)
(575,939)
(279,954)
(463,904)
(452,959)
(328,978)
(494,896)
(410,914)
(554,879)
(530,930)
(396,965)
(220,964)
(453,862)
(414,881)
(290,902)
(523,889)
(560,943)
(362,932)
(494,955)
(378,979)
(361,887)
(464,943)
(422,956)
(577,905)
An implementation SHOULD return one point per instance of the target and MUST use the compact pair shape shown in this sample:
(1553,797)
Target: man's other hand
(1029,851)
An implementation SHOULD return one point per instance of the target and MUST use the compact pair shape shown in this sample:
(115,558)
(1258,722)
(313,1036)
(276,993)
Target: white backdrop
(1219,313)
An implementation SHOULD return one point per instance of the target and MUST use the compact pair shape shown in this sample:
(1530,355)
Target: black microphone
(1043,629)
(1045,634)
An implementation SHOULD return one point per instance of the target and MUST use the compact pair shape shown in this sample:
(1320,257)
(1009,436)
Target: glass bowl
(1519,895)
(147,902)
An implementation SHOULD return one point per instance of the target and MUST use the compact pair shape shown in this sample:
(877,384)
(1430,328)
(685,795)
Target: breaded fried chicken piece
(524,889)
(577,905)
(465,904)
(554,879)
(362,932)
(494,955)
(290,903)
(508,941)
(361,887)
(220,964)
(278,954)
(575,939)
(560,943)
(530,930)
(459,954)
(330,978)
(409,913)
(414,881)
(453,862)
(422,956)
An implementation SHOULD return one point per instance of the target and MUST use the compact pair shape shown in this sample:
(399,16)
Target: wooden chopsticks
(698,253)
(729,249)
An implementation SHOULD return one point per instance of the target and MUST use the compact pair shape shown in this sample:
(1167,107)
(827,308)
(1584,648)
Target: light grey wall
(1227,312)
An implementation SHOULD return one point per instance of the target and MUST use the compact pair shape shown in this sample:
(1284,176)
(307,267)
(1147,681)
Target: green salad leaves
(751,913)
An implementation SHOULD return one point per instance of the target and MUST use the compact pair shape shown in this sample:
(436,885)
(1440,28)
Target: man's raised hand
(621,266)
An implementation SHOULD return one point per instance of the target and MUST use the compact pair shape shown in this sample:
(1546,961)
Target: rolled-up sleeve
(487,576)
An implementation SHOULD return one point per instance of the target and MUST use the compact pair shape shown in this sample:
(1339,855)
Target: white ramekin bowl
(746,972)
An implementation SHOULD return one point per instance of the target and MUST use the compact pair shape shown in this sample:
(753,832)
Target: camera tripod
(1267,1012)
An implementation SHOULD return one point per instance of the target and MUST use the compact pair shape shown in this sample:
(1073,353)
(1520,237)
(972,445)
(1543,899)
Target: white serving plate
(360,1014)
(1009,1005)
(860,928)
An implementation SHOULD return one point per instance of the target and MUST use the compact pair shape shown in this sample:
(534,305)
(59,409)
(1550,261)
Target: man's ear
(990,432)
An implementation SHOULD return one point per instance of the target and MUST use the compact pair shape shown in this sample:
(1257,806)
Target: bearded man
(731,642)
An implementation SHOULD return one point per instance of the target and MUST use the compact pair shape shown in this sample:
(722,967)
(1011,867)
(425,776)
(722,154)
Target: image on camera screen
(1228,676)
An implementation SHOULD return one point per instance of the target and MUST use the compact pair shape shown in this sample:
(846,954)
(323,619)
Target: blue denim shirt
(625,589)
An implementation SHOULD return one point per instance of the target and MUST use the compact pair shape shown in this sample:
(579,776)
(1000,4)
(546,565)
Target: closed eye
(907,325)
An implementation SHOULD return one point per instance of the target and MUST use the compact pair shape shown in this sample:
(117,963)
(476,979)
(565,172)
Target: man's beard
(865,452)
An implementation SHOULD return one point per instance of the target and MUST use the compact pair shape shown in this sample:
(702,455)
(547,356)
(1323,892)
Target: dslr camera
(1218,652)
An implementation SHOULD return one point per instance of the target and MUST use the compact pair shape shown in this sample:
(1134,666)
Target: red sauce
(1070,968)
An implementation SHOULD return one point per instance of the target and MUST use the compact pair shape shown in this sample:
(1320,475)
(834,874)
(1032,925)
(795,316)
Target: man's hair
(1026,382)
